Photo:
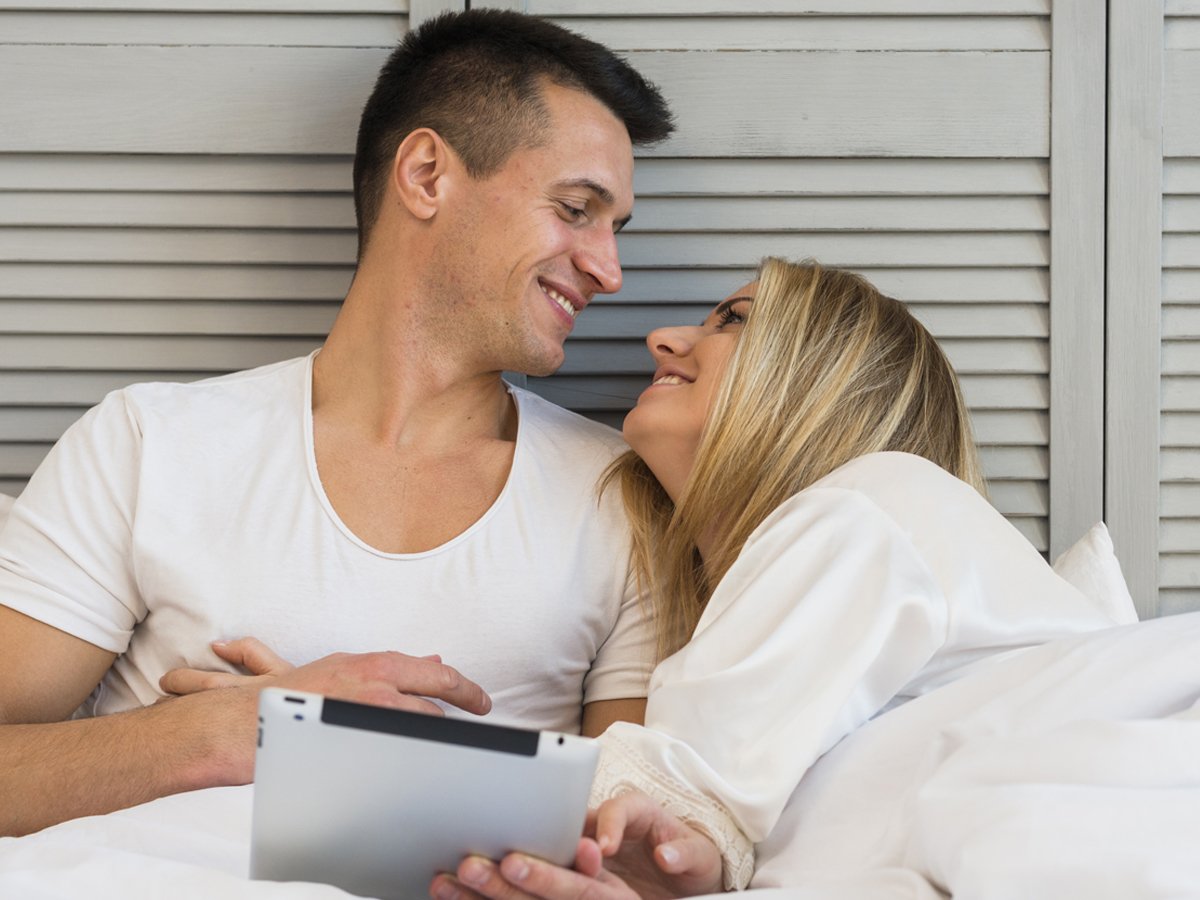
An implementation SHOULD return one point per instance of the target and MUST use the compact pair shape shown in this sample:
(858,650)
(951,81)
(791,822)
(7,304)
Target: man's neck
(384,376)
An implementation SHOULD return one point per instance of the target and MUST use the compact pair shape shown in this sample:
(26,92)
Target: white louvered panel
(65,325)
(171,210)
(332,27)
(967,247)
(43,424)
(653,177)
(1179,455)
(167,258)
(172,282)
(1181,125)
(787,7)
(748,31)
(191,317)
(1179,392)
(998,402)
(336,211)
(77,388)
(198,353)
(184,99)
(278,6)
(195,99)
(880,103)
(151,172)
(603,320)
(840,177)
(638,249)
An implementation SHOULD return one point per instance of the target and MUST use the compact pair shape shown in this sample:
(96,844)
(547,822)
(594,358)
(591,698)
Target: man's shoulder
(545,422)
(222,395)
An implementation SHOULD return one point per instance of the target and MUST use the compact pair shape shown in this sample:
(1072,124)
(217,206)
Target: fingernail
(474,871)
(517,869)
(603,842)
(444,890)
(220,643)
(670,855)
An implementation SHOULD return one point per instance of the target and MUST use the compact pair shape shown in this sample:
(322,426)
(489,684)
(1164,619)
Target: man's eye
(574,213)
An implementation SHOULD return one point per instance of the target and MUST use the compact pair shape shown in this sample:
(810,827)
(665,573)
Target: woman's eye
(730,317)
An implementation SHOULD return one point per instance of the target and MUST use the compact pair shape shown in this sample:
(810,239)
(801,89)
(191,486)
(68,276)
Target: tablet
(377,801)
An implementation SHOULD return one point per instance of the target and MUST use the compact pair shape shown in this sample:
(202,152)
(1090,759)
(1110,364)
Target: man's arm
(599,715)
(52,770)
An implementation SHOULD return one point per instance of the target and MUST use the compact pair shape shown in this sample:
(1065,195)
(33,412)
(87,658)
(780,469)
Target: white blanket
(1069,770)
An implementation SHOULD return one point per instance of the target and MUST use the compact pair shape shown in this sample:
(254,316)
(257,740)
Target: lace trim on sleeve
(621,770)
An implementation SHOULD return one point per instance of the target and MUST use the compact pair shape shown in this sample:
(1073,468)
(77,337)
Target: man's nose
(597,257)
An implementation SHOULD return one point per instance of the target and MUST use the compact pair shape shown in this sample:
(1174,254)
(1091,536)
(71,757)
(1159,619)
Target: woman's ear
(418,171)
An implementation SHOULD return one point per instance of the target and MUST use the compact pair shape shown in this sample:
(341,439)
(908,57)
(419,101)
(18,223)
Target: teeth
(560,300)
(669,379)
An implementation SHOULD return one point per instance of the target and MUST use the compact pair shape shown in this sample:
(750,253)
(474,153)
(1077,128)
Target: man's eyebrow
(605,195)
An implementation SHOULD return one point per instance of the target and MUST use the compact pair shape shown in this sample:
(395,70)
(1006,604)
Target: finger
(680,856)
(483,877)
(417,705)
(193,681)
(611,821)
(588,859)
(589,823)
(447,887)
(537,878)
(413,675)
(253,655)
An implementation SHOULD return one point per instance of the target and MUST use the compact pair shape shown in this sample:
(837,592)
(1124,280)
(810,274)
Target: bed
(1067,770)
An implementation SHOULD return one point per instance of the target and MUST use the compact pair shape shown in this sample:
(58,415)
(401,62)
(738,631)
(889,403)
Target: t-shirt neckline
(314,477)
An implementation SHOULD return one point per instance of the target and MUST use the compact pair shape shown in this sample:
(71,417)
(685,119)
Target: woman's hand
(384,678)
(633,848)
(653,851)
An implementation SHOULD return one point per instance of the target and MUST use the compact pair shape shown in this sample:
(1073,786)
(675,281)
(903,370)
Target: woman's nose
(676,340)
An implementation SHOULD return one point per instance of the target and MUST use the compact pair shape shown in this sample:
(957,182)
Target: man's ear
(418,172)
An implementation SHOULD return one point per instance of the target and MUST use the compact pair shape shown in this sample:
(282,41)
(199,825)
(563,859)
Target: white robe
(878,584)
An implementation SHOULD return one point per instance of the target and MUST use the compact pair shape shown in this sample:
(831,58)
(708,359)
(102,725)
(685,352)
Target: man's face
(534,242)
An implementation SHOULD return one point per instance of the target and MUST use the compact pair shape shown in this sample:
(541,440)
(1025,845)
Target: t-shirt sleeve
(625,660)
(66,550)
(826,614)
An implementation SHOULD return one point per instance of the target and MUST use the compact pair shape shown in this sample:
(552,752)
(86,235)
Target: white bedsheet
(1069,770)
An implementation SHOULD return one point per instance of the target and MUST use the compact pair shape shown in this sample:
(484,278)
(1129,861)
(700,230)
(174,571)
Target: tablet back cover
(377,801)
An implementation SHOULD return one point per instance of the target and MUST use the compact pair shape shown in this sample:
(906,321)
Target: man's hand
(645,851)
(381,679)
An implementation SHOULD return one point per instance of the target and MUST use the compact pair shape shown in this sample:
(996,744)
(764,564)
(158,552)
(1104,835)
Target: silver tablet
(377,801)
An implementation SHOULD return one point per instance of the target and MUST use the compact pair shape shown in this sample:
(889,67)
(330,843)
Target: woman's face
(665,426)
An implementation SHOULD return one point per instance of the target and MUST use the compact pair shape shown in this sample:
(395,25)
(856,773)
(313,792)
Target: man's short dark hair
(475,78)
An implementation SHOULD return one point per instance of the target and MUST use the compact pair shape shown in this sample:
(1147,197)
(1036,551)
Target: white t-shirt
(880,582)
(173,515)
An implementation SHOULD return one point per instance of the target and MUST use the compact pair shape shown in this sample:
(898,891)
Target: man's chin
(541,366)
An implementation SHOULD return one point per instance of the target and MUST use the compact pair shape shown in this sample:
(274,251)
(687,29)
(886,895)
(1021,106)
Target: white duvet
(1068,770)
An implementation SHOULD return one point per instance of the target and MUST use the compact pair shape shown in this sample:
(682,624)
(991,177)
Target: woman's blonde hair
(826,369)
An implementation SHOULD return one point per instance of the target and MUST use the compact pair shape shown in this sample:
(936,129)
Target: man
(387,494)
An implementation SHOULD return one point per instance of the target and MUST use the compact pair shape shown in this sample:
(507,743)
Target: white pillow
(1091,566)
(6,503)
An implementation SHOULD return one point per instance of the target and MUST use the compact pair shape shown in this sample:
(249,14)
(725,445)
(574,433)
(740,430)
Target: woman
(810,524)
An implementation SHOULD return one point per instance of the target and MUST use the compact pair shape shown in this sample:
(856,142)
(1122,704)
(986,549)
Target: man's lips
(563,297)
